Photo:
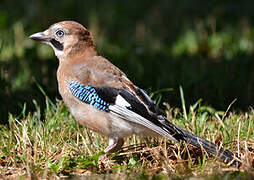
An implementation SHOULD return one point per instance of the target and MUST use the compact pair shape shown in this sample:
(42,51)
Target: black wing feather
(147,100)
(106,93)
(138,107)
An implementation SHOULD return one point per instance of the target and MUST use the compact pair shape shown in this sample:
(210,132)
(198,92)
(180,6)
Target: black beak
(40,36)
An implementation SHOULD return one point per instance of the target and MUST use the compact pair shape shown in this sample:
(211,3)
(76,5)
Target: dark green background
(205,46)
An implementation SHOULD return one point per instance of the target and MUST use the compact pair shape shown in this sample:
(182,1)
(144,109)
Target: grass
(50,144)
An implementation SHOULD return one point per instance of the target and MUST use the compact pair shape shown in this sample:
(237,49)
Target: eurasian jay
(102,98)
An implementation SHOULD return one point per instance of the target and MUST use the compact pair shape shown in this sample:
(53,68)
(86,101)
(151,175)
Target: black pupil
(60,33)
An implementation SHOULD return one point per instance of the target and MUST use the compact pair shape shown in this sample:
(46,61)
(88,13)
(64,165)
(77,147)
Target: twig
(228,108)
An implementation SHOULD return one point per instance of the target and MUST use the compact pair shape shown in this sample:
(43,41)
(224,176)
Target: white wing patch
(121,101)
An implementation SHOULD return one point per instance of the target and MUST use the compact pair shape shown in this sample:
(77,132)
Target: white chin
(58,53)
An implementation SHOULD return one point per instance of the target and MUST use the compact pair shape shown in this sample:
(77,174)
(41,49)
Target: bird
(102,98)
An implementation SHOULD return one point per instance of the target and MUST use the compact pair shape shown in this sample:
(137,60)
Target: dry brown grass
(55,146)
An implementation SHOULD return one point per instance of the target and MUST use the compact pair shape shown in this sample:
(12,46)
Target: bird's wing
(120,102)
(126,105)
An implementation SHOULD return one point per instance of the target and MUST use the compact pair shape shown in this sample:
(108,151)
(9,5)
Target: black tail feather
(181,134)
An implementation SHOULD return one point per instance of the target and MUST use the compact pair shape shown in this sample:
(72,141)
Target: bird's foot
(114,144)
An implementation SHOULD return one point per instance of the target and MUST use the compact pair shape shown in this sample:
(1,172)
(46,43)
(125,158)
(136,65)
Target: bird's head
(67,38)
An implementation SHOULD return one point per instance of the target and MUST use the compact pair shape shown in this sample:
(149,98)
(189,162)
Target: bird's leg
(114,144)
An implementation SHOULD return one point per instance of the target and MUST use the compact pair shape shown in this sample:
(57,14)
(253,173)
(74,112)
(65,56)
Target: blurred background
(207,47)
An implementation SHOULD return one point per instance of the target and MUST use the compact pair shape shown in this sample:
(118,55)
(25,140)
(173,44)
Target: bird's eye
(60,33)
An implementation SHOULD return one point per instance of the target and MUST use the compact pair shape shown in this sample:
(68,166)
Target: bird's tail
(181,134)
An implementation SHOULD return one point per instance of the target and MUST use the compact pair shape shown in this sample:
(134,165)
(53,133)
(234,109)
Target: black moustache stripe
(56,44)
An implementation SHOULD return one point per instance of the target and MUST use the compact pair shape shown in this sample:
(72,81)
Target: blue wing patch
(88,95)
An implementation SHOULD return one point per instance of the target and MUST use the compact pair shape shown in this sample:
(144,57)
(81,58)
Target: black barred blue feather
(88,95)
